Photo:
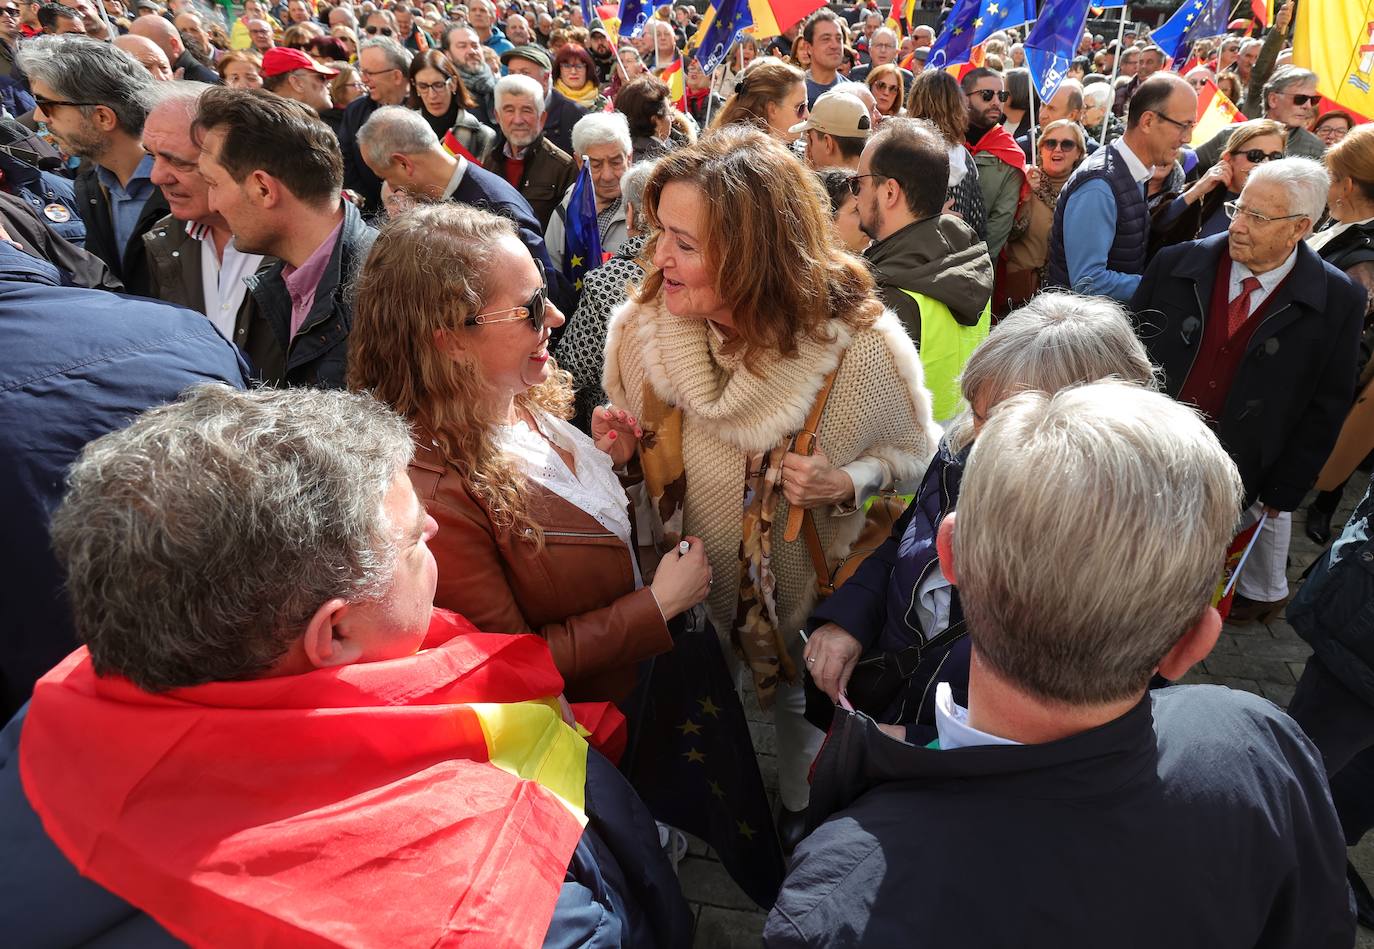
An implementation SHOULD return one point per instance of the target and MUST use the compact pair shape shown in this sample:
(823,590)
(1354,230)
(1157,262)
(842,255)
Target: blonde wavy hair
(429,270)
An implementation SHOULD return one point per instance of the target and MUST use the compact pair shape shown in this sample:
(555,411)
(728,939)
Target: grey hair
(397,56)
(1091,532)
(199,541)
(1248,44)
(181,92)
(1098,95)
(885,30)
(87,70)
(1075,90)
(395,130)
(1284,77)
(518,85)
(601,128)
(633,183)
(1305,181)
(1056,340)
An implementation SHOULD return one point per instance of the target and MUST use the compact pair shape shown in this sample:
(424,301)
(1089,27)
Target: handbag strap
(804,443)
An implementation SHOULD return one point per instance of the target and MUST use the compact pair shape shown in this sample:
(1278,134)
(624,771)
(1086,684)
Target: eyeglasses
(1185,126)
(1235,207)
(856,182)
(378,72)
(884,87)
(1058,144)
(1257,156)
(423,87)
(9,11)
(987,95)
(532,310)
(1301,99)
(46,104)
(384,30)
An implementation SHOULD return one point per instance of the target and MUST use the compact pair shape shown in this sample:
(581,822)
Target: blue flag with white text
(970,23)
(635,13)
(582,233)
(732,18)
(1195,20)
(1053,42)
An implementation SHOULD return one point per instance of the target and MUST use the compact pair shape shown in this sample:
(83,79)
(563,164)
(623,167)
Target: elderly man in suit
(1262,336)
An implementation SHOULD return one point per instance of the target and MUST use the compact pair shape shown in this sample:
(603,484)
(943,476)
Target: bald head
(148,54)
(162,33)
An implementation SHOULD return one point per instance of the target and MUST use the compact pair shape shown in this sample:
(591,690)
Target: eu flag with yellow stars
(1053,42)
(1195,20)
(970,23)
(582,248)
(691,759)
(729,18)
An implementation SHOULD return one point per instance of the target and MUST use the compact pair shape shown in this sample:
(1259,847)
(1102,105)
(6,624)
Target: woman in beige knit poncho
(750,302)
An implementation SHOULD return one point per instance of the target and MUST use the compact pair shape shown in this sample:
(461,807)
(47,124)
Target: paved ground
(1261,658)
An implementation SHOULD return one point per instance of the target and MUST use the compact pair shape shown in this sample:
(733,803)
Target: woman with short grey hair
(899,597)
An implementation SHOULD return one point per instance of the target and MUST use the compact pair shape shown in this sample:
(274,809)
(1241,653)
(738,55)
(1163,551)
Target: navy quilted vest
(1127,254)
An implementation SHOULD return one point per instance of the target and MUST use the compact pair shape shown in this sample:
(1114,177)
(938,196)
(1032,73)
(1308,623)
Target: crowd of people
(390,390)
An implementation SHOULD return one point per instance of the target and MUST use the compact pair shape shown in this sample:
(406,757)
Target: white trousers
(1265,577)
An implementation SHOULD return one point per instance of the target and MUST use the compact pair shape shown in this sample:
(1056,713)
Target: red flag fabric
(355,806)
(998,142)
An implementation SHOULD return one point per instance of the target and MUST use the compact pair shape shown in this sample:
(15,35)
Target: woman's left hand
(811,481)
(616,432)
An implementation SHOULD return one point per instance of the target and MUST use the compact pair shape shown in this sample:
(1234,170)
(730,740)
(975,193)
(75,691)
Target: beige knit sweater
(879,408)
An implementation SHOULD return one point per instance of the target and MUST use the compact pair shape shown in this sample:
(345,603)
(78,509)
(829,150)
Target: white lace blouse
(593,488)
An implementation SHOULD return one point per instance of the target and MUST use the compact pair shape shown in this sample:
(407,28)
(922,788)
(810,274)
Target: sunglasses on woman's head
(987,95)
(1058,144)
(1258,156)
(384,30)
(533,309)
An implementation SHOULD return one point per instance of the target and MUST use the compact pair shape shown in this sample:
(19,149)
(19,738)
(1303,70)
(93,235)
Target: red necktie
(1238,310)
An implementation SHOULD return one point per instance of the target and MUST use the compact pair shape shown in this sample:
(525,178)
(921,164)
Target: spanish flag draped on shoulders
(434,800)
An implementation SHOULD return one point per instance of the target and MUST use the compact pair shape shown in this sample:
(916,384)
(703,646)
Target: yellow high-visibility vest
(946,345)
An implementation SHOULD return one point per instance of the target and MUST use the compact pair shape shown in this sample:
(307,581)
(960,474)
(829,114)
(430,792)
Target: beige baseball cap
(840,114)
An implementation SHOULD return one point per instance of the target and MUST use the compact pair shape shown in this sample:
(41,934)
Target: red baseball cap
(284,59)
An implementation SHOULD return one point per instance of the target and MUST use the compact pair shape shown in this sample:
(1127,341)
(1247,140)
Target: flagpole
(1111,83)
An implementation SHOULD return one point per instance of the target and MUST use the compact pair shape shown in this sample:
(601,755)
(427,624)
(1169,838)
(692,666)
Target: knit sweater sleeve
(623,372)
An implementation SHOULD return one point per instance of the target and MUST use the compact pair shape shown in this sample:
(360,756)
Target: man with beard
(464,50)
(1103,253)
(275,174)
(931,268)
(540,170)
(1001,164)
(94,100)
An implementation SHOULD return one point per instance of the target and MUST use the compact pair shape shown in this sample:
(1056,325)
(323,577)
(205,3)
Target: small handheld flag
(732,17)
(583,245)
(970,23)
(1052,43)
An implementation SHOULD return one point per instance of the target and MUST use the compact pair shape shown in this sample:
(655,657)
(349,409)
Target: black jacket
(357,176)
(194,70)
(1200,819)
(318,355)
(1296,381)
(560,115)
(94,204)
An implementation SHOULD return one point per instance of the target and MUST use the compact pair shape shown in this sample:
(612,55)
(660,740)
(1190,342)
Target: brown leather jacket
(578,592)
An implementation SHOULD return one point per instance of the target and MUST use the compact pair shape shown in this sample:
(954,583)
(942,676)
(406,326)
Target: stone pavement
(1262,658)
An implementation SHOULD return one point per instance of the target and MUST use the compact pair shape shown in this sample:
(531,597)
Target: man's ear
(944,546)
(323,642)
(262,189)
(1193,646)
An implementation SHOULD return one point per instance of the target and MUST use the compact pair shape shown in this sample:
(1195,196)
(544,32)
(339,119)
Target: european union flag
(1052,43)
(582,249)
(732,17)
(588,13)
(635,13)
(1195,20)
(970,23)
(693,763)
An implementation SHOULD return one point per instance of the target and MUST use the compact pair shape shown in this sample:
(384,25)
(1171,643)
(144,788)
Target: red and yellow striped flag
(1214,112)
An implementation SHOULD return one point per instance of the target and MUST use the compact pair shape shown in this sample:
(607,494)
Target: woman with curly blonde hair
(451,327)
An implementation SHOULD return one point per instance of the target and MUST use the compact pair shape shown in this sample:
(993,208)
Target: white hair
(1098,95)
(518,85)
(633,183)
(1306,182)
(885,31)
(395,130)
(601,128)
(1074,608)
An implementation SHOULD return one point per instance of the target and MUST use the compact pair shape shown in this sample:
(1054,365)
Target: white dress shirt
(1268,281)
(223,279)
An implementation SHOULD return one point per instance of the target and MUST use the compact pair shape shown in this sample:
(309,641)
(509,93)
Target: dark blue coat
(619,889)
(1296,381)
(77,364)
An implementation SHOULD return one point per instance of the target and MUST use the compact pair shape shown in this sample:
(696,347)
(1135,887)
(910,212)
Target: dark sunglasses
(9,11)
(1301,99)
(45,104)
(384,30)
(1058,144)
(987,95)
(532,310)
(856,182)
(1257,156)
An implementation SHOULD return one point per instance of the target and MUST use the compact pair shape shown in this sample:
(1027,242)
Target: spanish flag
(677,89)
(1214,112)
(1335,39)
(433,800)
